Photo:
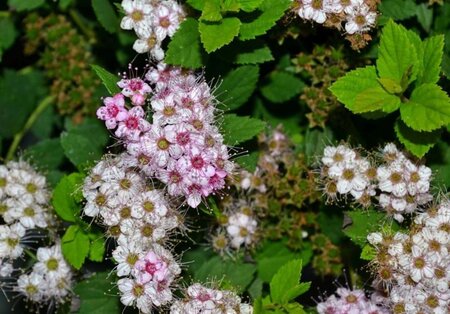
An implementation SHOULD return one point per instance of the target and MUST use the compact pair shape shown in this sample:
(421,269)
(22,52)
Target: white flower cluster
(202,300)
(356,14)
(349,301)
(50,279)
(153,21)
(140,217)
(416,266)
(24,200)
(403,185)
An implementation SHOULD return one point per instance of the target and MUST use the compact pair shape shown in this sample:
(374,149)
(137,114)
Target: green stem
(30,254)
(34,115)
(82,26)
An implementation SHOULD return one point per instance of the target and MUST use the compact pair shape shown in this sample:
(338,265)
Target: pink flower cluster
(181,147)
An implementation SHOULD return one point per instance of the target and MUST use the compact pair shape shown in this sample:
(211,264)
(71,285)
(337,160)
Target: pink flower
(136,89)
(151,267)
(133,125)
(113,111)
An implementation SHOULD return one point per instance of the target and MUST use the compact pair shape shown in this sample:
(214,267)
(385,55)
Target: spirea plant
(224,156)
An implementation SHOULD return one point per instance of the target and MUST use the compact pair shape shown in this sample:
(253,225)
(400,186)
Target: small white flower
(31,286)
(360,19)
(137,14)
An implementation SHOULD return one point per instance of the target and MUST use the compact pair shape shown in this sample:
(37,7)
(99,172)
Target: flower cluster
(50,278)
(416,265)
(140,218)
(152,21)
(357,15)
(200,299)
(350,301)
(403,185)
(181,147)
(24,202)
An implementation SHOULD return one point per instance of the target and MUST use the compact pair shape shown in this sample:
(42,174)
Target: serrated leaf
(98,294)
(184,48)
(355,83)
(419,46)
(97,249)
(284,285)
(237,86)
(432,57)
(228,28)
(397,9)
(109,80)
(374,99)
(268,13)
(418,143)
(363,222)
(24,5)
(425,16)
(428,108)
(281,87)
(106,15)
(257,55)
(390,85)
(75,246)
(211,11)
(368,253)
(64,198)
(45,155)
(249,161)
(249,5)
(237,129)
(196,4)
(396,54)
(271,257)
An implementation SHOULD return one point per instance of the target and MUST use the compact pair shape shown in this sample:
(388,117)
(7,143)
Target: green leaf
(98,294)
(24,5)
(45,155)
(368,252)
(397,9)
(237,86)
(66,195)
(20,93)
(314,142)
(281,87)
(363,222)
(184,48)
(109,80)
(268,13)
(239,274)
(428,108)
(9,33)
(419,46)
(418,143)
(211,11)
(272,256)
(75,246)
(196,4)
(360,91)
(228,28)
(97,249)
(257,55)
(390,85)
(432,57)
(249,5)
(396,54)
(106,15)
(425,16)
(249,161)
(284,285)
(237,129)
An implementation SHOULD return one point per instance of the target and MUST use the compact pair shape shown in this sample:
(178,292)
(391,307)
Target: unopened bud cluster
(400,186)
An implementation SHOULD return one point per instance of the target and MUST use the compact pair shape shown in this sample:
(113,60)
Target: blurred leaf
(397,9)
(75,246)
(249,5)
(20,93)
(418,143)
(237,129)
(23,5)
(314,142)
(43,126)
(98,294)
(237,86)
(248,161)
(106,15)
(184,48)
(228,28)
(211,11)
(9,33)
(281,87)
(425,16)
(45,155)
